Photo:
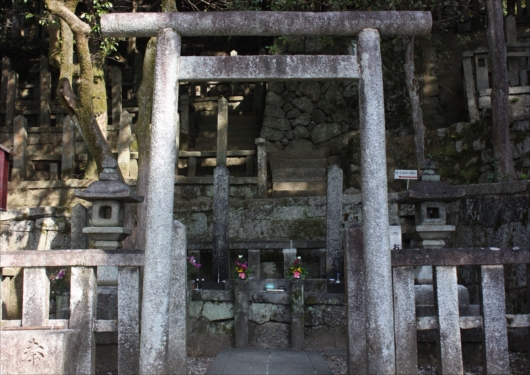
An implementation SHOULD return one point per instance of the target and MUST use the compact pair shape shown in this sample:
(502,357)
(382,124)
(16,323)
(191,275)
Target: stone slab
(38,352)
(267,361)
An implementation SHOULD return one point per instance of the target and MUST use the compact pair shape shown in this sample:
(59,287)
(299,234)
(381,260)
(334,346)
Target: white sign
(395,237)
(402,174)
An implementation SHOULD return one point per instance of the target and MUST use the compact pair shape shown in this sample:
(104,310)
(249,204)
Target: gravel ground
(519,365)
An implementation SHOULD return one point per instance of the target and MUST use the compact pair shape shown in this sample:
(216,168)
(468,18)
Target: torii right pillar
(377,262)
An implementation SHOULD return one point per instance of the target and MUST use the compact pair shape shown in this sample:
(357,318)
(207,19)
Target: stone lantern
(108,197)
(429,196)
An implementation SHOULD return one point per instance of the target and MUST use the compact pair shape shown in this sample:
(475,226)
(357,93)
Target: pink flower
(244,265)
(296,274)
(242,276)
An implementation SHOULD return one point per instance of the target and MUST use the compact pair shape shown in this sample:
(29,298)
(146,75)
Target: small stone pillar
(262,167)
(11,98)
(297,315)
(334,253)
(108,197)
(20,148)
(222,131)
(289,256)
(220,252)
(241,313)
(254,263)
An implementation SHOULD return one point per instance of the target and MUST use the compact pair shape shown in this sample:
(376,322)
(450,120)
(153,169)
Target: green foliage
(107,46)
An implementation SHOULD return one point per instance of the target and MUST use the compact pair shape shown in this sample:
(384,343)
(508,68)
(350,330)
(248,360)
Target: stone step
(297,163)
(299,175)
(299,154)
(212,134)
(299,186)
(232,120)
(297,193)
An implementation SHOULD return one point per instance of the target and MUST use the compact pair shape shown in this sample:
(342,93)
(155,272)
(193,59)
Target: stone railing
(73,349)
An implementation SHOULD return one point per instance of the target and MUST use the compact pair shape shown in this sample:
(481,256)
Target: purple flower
(61,274)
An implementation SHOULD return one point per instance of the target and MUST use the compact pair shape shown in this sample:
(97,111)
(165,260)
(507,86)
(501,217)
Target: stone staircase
(242,132)
(298,173)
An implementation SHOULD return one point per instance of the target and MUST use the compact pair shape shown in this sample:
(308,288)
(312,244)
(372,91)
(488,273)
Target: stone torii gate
(171,67)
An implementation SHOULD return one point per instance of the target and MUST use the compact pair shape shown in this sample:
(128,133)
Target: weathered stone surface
(300,144)
(320,337)
(271,111)
(303,120)
(42,352)
(318,116)
(343,115)
(276,87)
(324,132)
(218,310)
(269,335)
(379,304)
(271,135)
(159,222)
(334,95)
(220,251)
(276,123)
(301,132)
(274,99)
(289,135)
(218,335)
(334,253)
(326,107)
(310,89)
(303,104)
(293,113)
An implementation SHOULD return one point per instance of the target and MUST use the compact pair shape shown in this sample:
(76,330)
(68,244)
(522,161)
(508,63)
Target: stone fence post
(20,148)
(262,167)
(334,256)
(222,131)
(220,253)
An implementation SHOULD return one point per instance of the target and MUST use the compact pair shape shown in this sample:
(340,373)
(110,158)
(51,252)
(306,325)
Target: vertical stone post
(511,29)
(357,361)
(297,315)
(185,114)
(334,255)
(11,97)
(289,256)
(470,85)
(124,143)
(54,171)
(159,217)
(83,307)
(262,167)
(378,272)
(177,357)
(222,131)
(116,95)
(79,220)
(220,253)
(128,319)
(192,166)
(241,313)
(254,263)
(36,297)
(6,68)
(68,152)
(20,148)
(45,93)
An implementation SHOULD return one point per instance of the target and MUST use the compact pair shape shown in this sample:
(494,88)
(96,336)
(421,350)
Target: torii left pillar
(159,224)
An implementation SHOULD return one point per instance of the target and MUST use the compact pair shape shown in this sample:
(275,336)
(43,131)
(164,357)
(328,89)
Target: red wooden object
(4,173)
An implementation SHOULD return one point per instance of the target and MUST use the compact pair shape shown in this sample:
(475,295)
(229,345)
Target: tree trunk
(82,108)
(504,169)
(415,106)
(136,216)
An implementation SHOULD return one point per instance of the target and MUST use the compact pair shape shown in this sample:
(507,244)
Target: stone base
(38,352)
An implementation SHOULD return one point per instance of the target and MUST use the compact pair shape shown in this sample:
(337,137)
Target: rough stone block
(38,352)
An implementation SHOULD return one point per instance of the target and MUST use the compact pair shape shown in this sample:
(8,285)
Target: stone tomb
(170,67)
